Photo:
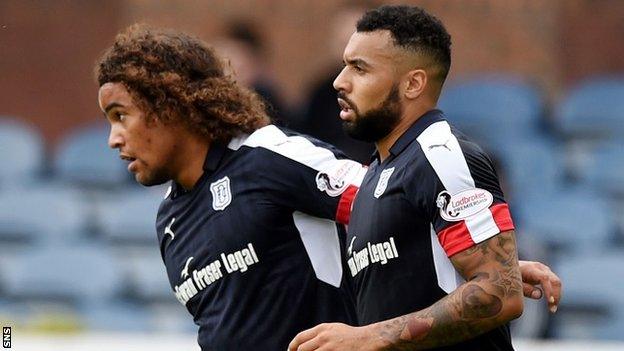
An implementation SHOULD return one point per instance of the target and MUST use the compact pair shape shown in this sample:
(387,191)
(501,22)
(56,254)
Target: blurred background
(539,84)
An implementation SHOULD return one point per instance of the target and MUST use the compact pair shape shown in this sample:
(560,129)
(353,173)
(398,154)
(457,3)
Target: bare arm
(492,296)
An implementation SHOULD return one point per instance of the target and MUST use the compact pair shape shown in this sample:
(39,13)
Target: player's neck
(410,116)
(192,165)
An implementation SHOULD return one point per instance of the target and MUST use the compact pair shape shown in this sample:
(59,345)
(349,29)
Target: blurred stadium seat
(145,276)
(128,218)
(494,109)
(147,285)
(84,158)
(536,166)
(21,152)
(591,115)
(604,171)
(43,214)
(75,274)
(51,288)
(69,288)
(594,109)
(569,219)
(593,304)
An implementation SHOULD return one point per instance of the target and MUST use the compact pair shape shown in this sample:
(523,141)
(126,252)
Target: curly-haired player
(248,239)
(247,230)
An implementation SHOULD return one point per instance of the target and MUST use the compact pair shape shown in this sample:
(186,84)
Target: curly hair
(414,29)
(177,78)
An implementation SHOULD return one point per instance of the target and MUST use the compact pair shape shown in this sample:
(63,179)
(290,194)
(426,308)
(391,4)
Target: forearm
(457,317)
(492,297)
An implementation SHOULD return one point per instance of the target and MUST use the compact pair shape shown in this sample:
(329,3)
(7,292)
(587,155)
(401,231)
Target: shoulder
(286,157)
(442,136)
(451,155)
(442,143)
(285,146)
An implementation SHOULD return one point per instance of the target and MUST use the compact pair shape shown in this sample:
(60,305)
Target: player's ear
(415,83)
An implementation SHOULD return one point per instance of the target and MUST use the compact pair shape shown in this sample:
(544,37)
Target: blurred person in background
(247,228)
(432,249)
(319,117)
(245,49)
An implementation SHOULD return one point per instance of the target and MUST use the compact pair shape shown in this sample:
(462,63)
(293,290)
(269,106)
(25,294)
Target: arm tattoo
(491,268)
(479,304)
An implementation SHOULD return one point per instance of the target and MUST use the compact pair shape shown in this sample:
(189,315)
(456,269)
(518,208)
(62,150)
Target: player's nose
(115,139)
(341,83)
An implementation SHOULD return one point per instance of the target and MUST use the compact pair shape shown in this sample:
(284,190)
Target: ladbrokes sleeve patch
(336,178)
(464,204)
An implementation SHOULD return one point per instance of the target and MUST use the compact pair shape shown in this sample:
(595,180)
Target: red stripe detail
(455,238)
(343,212)
(502,217)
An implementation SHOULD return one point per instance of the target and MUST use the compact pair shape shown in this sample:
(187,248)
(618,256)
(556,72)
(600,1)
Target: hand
(333,336)
(536,273)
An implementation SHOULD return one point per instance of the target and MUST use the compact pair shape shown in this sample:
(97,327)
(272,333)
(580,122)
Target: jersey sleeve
(462,196)
(310,176)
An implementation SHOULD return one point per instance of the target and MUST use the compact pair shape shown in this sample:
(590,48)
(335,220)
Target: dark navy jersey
(435,195)
(253,250)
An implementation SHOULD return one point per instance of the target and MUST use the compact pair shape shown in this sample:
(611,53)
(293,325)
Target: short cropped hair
(177,78)
(414,29)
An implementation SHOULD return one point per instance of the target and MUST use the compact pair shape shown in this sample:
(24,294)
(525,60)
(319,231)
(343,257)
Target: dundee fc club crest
(221,193)
(382,184)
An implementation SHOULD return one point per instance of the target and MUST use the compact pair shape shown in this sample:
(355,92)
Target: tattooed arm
(491,296)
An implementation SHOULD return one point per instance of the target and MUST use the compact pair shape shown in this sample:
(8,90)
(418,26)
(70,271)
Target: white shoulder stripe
(443,152)
(296,148)
(445,156)
(299,149)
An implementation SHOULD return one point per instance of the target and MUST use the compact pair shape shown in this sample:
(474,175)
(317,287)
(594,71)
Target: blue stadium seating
(569,219)
(84,158)
(536,166)
(43,214)
(593,304)
(494,109)
(116,316)
(594,109)
(604,170)
(21,152)
(147,285)
(75,274)
(146,276)
(129,217)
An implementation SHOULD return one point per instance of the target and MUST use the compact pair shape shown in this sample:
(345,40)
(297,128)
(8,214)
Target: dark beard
(375,124)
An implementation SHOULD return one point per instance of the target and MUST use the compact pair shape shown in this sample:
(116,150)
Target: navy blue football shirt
(253,250)
(435,195)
